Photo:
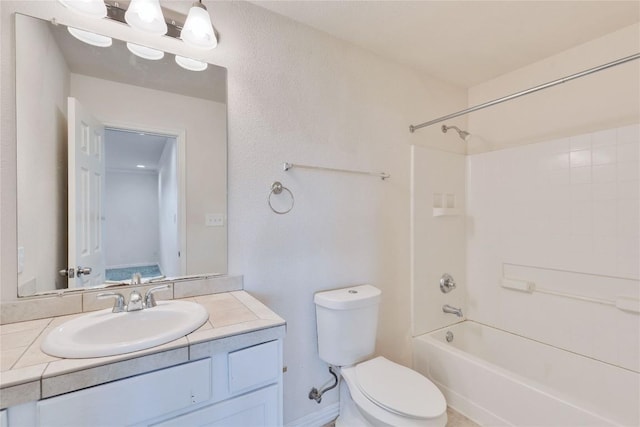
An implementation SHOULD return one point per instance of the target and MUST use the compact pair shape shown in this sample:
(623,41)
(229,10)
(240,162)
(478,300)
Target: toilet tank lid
(348,298)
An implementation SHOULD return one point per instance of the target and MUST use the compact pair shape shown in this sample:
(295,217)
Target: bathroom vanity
(227,372)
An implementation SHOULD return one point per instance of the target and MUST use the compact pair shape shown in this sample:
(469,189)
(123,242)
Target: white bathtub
(498,378)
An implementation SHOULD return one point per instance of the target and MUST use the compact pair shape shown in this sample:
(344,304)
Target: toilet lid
(399,389)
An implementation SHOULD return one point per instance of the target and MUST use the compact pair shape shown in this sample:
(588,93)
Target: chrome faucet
(452,310)
(136,279)
(136,301)
(119,306)
(149,299)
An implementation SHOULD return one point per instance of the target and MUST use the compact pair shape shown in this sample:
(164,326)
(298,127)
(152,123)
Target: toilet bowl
(379,392)
(375,392)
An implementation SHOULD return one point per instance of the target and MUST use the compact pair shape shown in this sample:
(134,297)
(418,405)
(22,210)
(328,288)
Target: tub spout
(448,309)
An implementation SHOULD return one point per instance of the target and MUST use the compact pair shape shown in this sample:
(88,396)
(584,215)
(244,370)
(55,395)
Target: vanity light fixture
(90,8)
(141,166)
(145,52)
(146,15)
(191,64)
(198,30)
(90,38)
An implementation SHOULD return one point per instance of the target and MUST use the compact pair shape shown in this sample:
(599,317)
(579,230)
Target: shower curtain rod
(413,128)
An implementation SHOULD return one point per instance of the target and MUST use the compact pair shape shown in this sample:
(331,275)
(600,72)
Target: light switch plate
(214,220)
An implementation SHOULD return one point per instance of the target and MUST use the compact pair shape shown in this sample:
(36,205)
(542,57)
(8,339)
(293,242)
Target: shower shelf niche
(447,212)
(444,204)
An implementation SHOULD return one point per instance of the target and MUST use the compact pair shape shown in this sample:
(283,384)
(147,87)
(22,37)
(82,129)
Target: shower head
(463,134)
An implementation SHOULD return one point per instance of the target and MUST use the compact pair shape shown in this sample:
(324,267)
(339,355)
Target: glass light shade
(90,38)
(146,15)
(198,31)
(90,8)
(145,52)
(191,64)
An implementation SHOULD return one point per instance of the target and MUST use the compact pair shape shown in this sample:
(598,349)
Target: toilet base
(350,415)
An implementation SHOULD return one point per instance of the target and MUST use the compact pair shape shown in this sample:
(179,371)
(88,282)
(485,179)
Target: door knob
(83,270)
(70,273)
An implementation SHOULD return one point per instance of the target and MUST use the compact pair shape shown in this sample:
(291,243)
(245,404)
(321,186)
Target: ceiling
(462,42)
(125,150)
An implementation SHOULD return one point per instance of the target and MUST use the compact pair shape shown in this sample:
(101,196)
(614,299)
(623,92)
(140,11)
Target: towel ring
(276,188)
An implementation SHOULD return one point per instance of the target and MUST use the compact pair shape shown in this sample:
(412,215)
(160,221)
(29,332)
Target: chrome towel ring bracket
(277,188)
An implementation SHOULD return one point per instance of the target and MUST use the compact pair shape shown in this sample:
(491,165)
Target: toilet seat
(399,389)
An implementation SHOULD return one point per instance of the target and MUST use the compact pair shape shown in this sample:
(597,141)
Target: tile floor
(455,419)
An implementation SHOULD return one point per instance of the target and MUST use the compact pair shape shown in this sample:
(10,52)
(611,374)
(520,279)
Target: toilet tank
(347,320)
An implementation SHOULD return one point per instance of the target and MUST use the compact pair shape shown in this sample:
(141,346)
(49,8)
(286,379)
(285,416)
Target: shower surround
(564,215)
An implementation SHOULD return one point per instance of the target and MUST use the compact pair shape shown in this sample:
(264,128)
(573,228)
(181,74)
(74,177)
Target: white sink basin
(104,333)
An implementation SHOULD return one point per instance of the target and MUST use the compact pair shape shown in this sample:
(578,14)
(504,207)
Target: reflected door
(86,197)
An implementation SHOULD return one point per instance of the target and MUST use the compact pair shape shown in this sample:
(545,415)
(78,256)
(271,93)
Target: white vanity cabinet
(239,384)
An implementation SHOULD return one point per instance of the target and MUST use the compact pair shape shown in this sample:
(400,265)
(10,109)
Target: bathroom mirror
(149,198)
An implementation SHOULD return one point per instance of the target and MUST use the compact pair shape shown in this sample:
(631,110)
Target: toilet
(373,392)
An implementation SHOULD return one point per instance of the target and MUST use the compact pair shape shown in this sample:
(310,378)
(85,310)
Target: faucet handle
(135,301)
(118,306)
(447,284)
(149,299)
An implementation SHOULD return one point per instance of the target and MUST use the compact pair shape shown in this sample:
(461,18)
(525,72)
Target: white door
(86,196)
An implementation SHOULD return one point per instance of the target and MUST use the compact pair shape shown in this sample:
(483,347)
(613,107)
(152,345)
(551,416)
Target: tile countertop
(28,374)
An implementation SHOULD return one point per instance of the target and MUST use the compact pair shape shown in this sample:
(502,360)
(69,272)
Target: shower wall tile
(568,208)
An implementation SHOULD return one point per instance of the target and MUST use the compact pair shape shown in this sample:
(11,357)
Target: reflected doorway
(142,205)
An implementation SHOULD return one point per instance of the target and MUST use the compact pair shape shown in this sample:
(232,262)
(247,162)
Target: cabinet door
(131,400)
(259,408)
(253,367)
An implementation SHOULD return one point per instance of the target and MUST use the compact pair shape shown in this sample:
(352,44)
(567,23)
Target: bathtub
(498,378)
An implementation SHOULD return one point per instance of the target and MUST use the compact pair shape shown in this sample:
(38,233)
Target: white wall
(131,209)
(300,96)
(168,209)
(603,100)
(42,225)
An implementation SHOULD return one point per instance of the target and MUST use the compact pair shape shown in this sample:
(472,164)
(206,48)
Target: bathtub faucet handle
(447,284)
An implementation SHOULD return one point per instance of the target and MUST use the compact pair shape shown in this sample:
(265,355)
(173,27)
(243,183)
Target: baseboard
(318,418)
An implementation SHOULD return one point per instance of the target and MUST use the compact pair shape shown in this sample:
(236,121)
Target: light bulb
(145,52)
(90,8)
(146,15)
(197,30)
(90,38)
(191,64)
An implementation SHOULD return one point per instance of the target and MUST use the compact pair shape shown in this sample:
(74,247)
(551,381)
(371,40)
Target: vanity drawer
(131,400)
(258,408)
(254,366)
